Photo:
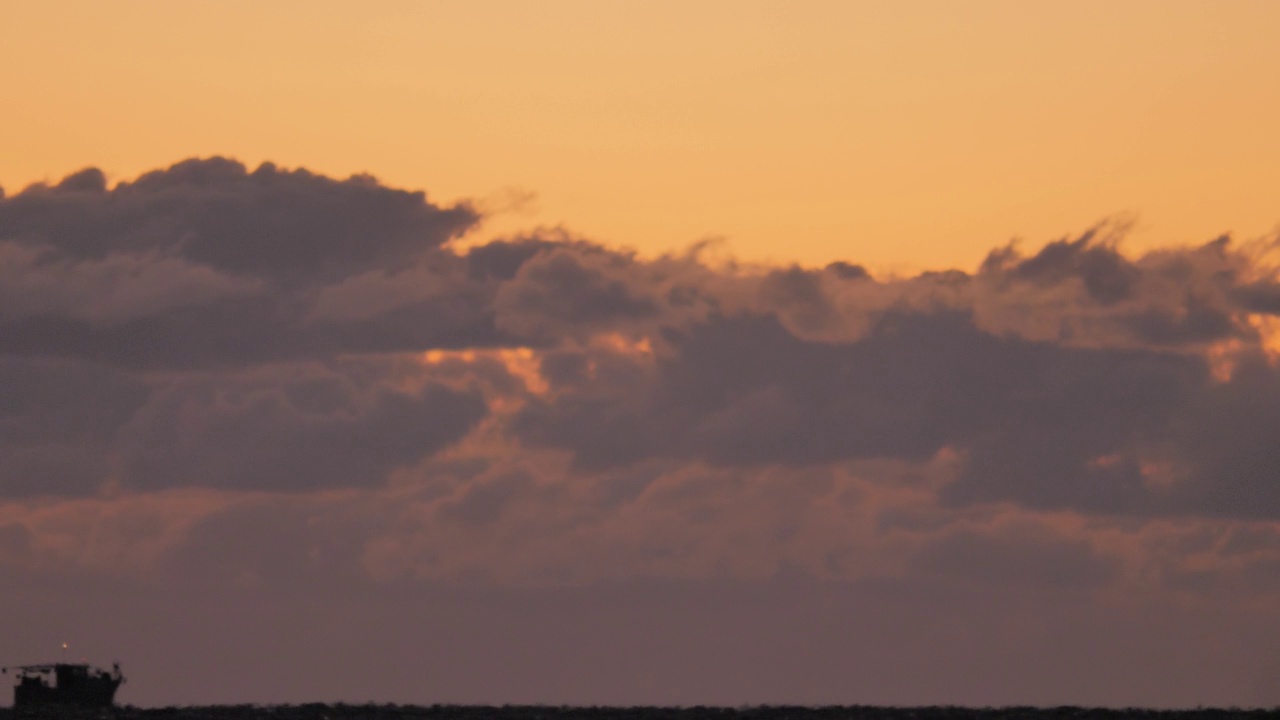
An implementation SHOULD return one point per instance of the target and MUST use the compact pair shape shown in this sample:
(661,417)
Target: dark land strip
(540,712)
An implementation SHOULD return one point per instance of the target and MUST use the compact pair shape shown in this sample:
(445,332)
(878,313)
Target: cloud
(1031,418)
(126,274)
(286,226)
(558,293)
(58,422)
(207,361)
(36,282)
(295,427)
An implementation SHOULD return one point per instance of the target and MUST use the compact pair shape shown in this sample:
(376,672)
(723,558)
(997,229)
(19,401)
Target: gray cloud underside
(207,325)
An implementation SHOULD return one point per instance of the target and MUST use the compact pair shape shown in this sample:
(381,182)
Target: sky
(909,135)
(643,353)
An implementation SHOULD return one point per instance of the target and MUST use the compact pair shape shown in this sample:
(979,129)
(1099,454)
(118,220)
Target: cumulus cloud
(300,352)
(296,427)
(127,274)
(121,286)
(287,226)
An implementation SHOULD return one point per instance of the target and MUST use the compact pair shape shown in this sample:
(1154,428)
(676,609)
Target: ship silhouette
(76,684)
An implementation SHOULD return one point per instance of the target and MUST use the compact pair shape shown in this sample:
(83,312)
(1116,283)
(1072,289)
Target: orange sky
(643,483)
(898,134)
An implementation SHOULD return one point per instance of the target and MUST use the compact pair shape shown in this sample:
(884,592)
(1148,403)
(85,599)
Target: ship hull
(100,694)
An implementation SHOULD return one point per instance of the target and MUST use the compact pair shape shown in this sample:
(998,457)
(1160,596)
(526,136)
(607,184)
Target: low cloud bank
(270,378)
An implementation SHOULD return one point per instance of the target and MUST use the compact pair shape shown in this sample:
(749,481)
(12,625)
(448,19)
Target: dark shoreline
(315,711)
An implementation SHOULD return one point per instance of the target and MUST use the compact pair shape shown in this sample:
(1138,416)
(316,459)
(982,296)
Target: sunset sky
(643,352)
(904,134)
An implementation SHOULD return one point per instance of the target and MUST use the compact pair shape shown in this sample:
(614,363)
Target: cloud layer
(271,378)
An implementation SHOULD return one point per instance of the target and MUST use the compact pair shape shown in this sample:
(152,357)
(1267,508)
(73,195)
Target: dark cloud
(1223,450)
(39,282)
(289,226)
(502,259)
(207,319)
(848,271)
(1261,297)
(71,428)
(1084,291)
(237,406)
(1032,418)
(1107,275)
(800,296)
(206,263)
(58,424)
(1194,321)
(291,428)
(563,292)
(1046,424)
